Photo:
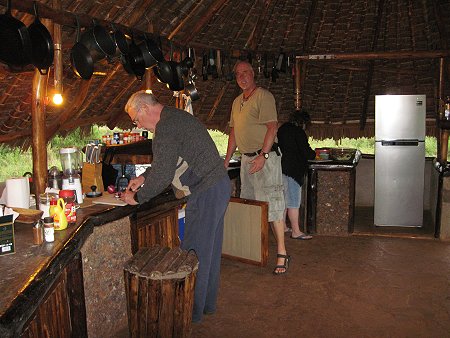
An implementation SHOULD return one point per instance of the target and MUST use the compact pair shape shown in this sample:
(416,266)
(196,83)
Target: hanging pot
(151,52)
(191,90)
(81,59)
(177,82)
(135,61)
(41,43)
(163,72)
(15,39)
(121,41)
(99,42)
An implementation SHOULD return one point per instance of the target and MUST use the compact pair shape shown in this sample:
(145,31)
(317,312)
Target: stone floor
(363,285)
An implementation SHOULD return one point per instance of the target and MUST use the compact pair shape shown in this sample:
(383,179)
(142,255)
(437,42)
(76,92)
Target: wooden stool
(159,284)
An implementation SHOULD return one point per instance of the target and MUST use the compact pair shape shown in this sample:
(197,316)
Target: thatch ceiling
(339,94)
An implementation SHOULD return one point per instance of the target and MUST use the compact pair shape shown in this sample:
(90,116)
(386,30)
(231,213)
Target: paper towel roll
(18,192)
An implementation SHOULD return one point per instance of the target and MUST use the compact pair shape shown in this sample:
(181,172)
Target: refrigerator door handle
(414,143)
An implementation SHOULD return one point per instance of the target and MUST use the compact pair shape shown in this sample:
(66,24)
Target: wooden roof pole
(392,55)
(39,141)
(204,20)
(298,85)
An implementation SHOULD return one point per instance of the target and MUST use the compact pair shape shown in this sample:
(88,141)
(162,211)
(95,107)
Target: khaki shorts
(265,185)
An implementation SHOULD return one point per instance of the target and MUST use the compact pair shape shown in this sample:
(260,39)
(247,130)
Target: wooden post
(39,143)
(297,86)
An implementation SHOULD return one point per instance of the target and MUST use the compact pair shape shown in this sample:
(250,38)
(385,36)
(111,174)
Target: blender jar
(70,160)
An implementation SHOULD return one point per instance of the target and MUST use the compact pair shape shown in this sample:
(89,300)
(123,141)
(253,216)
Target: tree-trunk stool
(159,284)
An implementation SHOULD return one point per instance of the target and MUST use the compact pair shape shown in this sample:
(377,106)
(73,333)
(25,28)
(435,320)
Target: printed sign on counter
(6,235)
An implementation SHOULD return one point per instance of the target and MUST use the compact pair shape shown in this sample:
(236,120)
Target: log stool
(159,284)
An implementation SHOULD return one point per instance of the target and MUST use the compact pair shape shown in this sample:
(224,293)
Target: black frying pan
(15,40)
(135,60)
(41,43)
(81,59)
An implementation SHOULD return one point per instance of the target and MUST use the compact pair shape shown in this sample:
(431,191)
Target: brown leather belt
(274,148)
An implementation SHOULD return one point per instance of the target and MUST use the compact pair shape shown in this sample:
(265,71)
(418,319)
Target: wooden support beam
(67,18)
(393,55)
(298,84)
(204,20)
(186,19)
(217,101)
(39,142)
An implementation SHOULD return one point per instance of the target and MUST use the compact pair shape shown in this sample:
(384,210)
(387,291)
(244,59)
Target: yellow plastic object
(58,214)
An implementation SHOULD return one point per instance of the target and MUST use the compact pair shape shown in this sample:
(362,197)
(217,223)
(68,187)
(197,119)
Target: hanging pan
(150,52)
(135,60)
(99,42)
(15,40)
(121,41)
(81,59)
(41,43)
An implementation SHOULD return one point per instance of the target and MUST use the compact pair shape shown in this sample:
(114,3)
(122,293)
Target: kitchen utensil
(99,42)
(342,154)
(93,193)
(15,40)
(41,43)
(81,58)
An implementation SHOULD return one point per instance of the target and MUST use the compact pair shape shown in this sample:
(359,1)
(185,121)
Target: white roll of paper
(18,192)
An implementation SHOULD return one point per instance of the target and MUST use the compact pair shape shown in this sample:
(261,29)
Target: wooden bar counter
(73,287)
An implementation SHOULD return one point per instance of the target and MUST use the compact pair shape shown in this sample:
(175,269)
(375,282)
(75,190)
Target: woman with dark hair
(296,152)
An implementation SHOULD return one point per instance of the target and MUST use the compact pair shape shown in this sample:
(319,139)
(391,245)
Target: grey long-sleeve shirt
(183,154)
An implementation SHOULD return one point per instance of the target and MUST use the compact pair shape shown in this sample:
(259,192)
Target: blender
(70,161)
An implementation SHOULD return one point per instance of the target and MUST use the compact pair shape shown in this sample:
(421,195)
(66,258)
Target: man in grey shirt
(185,155)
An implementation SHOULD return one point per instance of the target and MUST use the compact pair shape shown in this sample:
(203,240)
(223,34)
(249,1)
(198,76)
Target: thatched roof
(371,36)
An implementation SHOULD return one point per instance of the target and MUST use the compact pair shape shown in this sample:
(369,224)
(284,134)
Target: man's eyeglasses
(136,118)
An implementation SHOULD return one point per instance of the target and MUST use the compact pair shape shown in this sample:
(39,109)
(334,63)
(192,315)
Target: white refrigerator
(399,160)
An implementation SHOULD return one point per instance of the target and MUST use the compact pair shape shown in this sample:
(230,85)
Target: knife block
(91,174)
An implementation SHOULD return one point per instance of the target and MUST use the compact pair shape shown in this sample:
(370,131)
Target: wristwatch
(266,155)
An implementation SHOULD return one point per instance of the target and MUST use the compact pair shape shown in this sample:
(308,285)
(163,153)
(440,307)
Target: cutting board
(109,199)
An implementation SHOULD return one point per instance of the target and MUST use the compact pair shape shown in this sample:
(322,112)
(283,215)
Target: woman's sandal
(285,266)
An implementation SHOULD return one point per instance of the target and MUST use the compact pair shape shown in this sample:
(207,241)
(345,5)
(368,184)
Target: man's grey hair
(139,99)
(243,62)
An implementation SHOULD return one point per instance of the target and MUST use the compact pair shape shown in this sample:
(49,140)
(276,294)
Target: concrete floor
(355,286)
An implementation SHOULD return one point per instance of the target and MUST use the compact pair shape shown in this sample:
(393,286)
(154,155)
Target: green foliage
(15,162)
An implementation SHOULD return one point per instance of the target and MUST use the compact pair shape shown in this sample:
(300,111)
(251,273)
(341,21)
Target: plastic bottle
(57,211)
(60,215)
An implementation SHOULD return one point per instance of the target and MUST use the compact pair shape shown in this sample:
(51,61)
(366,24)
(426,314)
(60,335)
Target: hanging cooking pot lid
(41,43)
(80,58)
(16,42)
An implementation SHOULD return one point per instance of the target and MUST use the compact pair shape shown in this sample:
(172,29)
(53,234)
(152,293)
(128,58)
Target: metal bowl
(342,154)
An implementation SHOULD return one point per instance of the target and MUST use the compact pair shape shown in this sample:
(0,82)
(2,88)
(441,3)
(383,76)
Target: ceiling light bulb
(148,91)
(57,99)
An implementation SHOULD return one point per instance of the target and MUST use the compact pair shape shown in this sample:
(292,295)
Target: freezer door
(399,184)
(400,117)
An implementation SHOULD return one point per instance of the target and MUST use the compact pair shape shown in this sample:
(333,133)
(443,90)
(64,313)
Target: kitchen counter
(34,273)
(331,197)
